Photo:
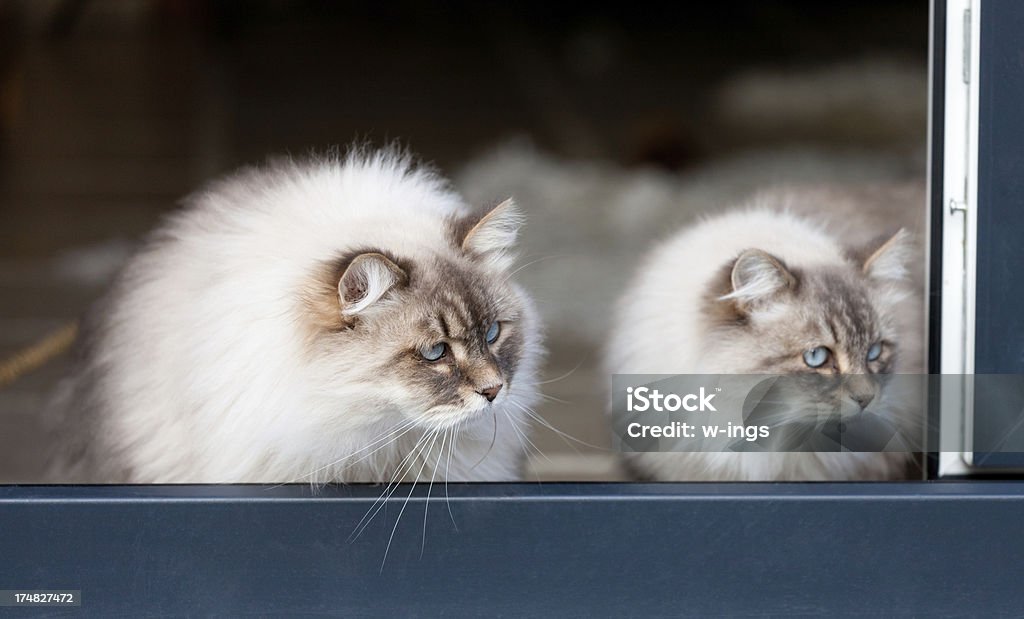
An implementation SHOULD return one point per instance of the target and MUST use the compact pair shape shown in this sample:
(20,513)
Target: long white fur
(207,379)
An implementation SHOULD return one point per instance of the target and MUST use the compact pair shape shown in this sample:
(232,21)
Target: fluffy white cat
(336,320)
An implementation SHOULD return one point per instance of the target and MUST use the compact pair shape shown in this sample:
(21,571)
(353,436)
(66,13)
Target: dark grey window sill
(540,550)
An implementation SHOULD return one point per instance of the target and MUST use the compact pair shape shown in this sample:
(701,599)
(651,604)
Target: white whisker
(494,437)
(526,451)
(531,263)
(406,463)
(447,472)
(406,503)
(516,428)
(404,432)
(551,398)
(403,426)
(426,504)
(563,376)
(536,417)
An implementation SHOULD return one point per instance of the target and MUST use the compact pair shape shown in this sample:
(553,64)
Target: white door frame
(959,234)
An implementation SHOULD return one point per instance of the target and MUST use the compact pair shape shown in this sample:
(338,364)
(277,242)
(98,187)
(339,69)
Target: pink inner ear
(355,287)
(757,275)
(368,277)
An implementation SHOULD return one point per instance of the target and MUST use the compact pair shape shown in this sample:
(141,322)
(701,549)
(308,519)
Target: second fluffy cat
(763,291)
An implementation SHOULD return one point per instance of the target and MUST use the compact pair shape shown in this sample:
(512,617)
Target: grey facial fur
(444,300)
(840,308)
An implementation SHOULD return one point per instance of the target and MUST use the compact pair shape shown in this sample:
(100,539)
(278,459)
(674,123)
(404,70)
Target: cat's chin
(447,417)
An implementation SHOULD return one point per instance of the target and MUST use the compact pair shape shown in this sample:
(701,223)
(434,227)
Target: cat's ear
(368,277)
(888,262)
(758,276)
(493,237)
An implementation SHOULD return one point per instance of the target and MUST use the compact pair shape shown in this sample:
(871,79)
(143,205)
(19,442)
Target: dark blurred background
(110,111)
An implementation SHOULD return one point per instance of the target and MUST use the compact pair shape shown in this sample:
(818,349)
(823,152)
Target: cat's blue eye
(435,352)
(816,357)
(492,332)
(875,351)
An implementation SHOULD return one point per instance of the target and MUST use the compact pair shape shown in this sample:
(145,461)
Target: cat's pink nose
(491,392)
(862,399)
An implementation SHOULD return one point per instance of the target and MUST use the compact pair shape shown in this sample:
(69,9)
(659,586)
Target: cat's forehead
(840,303)
(454,298)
